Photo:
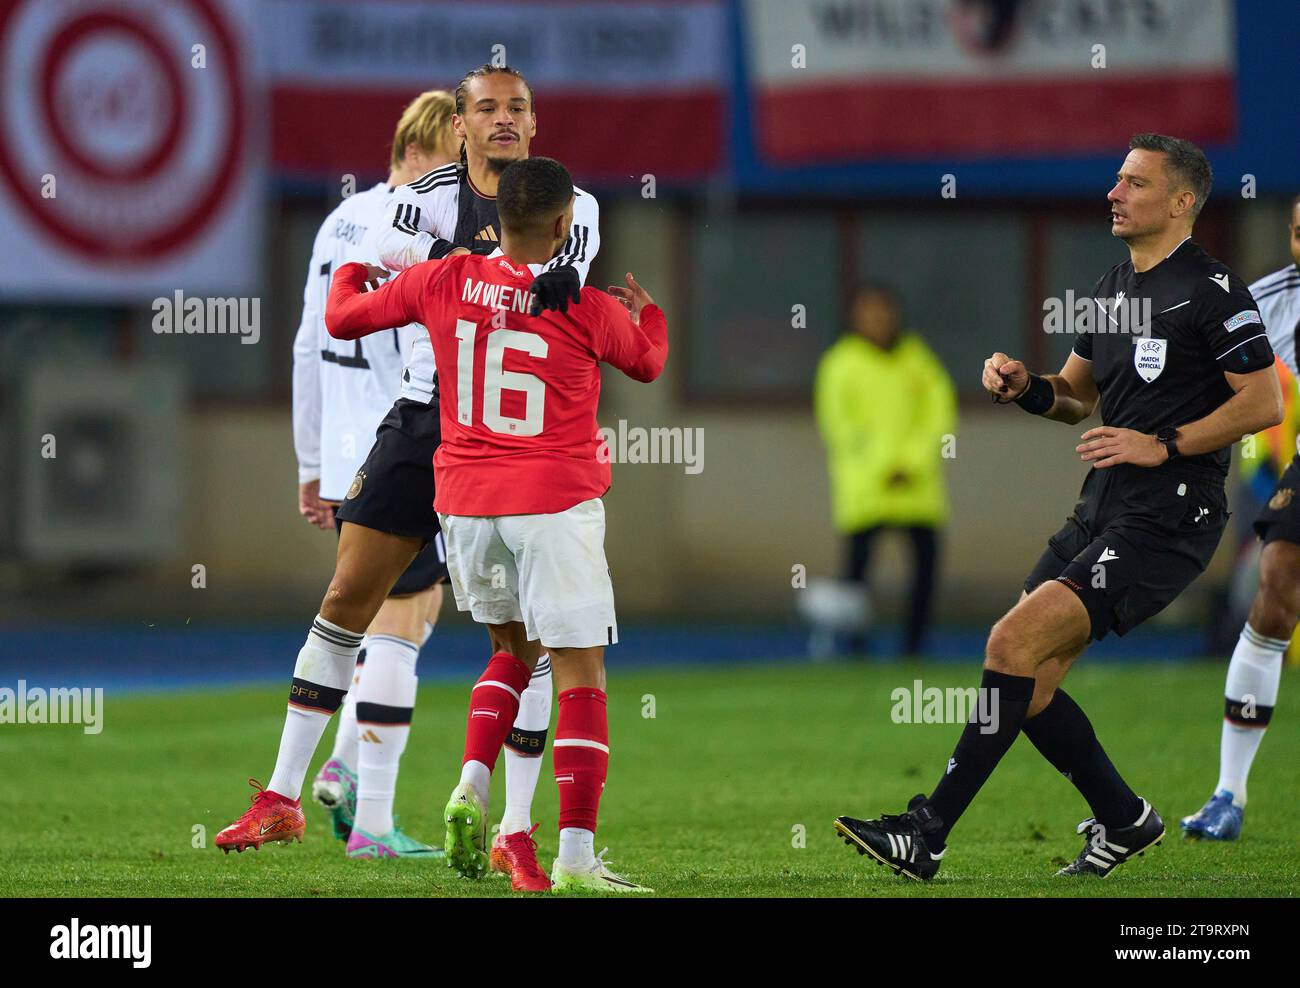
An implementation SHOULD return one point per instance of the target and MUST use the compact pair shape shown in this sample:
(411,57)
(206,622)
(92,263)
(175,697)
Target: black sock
(1064,736)
(978,753)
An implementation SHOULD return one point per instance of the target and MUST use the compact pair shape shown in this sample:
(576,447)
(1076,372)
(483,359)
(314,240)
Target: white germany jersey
(426,219)
(342,389)
(1278,298)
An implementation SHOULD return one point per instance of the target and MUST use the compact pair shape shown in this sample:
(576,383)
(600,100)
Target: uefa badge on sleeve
(1149,358)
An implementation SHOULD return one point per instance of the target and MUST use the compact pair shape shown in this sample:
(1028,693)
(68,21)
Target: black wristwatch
(1167,438)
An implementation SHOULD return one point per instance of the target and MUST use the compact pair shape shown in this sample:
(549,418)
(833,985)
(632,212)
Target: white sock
(529,729)
(345,734)
(321,676)
(477,775)
(577,847)
(1251,694)
(385,702)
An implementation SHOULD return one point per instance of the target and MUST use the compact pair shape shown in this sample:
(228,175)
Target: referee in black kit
(1178,386)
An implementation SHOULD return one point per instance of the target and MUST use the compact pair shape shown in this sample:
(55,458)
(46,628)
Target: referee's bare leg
(1052,670)
(1048,627)
(1044,625)
(1062,733)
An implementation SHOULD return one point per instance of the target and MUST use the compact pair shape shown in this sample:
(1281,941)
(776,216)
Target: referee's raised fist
(1004,378)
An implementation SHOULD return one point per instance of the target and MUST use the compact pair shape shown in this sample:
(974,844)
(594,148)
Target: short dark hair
(882,289)
(1184,163)
(531,190)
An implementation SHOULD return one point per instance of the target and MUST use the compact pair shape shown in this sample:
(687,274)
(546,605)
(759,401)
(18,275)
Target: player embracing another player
(519,481)
(451,211)
(340,395)
(1176,391)
(388,521)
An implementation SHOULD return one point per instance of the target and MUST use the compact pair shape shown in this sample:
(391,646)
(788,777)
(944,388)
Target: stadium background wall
(722,542)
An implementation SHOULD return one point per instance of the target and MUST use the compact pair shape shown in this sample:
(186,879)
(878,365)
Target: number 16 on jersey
(497,379)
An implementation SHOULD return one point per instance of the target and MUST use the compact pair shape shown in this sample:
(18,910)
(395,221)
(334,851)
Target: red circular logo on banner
(121,139)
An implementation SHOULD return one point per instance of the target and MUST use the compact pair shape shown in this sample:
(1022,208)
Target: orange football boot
(497,860)
(272,817)
(516,855)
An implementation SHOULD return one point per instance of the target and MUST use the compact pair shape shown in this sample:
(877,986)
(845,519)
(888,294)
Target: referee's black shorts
(393,490)
(1137,537)
(1280,519)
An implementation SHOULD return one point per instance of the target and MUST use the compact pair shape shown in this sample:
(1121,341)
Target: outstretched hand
(375,276)
(634,297)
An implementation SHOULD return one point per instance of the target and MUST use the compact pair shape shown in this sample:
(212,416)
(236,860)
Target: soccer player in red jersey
(518,481)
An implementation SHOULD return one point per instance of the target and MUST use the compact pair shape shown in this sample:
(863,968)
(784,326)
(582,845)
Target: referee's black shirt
(1203,322)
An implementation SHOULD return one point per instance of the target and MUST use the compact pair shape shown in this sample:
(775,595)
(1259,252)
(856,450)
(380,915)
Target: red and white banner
(622,89)
(839,80)
(126,137)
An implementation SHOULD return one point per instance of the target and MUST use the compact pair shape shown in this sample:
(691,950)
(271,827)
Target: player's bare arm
(1256,405)
(1074,392)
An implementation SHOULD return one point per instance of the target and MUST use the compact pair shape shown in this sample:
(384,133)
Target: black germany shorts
(393,490)
(1280,519)
(1137,538)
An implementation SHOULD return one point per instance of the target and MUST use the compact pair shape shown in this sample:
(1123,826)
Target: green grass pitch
(709,797)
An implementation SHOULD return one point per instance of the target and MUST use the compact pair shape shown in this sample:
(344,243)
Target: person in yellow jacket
(886,410)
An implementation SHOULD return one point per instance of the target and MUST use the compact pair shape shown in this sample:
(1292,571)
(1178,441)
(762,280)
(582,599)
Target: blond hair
(426,123)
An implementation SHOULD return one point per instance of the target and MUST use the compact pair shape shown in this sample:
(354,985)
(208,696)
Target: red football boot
(272,817)
(516,855)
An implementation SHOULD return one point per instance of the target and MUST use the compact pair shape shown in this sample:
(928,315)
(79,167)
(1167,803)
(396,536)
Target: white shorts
(548,571)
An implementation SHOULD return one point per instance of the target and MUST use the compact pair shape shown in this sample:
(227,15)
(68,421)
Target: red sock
(493,705)
(580,755)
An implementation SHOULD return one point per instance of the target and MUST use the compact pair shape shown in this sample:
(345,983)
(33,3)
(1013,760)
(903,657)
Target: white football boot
(596,877)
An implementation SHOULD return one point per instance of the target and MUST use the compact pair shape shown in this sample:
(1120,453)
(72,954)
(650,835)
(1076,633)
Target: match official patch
(1149,358)
(1242,319)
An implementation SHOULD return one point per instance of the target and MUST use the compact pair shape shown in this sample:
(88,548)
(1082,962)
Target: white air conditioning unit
(97,464)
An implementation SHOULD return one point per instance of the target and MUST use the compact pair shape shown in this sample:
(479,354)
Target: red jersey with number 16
(518,393)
